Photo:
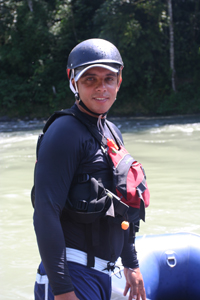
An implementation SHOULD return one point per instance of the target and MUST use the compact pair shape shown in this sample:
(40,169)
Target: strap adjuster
(110,266)
(82,205)
(83,178)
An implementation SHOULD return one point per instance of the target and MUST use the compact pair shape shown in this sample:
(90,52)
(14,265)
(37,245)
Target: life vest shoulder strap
(91,127)
(56,115)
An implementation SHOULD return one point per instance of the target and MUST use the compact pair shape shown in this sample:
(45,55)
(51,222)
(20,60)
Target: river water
(169,150)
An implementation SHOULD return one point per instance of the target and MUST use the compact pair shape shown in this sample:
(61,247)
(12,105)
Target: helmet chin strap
(77,96)
(80,102)
(74,88)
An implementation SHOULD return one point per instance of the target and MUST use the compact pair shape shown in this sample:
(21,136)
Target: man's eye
(110,78)
(90,78)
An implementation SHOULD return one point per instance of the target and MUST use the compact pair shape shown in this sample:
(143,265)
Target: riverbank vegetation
(159,41)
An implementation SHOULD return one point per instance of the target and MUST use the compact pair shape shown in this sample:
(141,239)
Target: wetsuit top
(67,148)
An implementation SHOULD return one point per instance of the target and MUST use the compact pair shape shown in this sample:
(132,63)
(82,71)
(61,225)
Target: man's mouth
(100,98)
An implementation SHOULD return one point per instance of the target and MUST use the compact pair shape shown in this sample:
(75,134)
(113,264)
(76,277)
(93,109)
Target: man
(79,250)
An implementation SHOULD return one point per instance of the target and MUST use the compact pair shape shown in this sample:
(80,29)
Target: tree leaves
(36,38)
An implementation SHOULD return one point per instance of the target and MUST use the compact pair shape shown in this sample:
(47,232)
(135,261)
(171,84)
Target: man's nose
(101,85)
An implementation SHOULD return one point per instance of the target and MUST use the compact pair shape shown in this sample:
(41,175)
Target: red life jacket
(129,177)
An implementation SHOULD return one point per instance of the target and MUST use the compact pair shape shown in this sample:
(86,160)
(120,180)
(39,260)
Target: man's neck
(85,110)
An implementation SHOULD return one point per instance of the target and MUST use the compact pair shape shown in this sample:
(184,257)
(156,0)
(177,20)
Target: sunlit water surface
(169,150)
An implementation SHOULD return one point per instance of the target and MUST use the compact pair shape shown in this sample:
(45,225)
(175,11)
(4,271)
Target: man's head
(99,62)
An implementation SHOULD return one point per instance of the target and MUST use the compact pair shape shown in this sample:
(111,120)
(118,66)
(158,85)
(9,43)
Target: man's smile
(100,98)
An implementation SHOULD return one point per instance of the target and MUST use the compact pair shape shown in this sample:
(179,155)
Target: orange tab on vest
(125,225)
(111,144)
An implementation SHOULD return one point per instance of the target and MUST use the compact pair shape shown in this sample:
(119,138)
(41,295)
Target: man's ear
(119,82)
(73,82)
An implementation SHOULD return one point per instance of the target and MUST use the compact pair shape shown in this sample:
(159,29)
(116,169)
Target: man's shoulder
(64,121)
(65,133)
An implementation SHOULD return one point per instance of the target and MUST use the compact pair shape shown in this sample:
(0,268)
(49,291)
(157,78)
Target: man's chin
(100,110)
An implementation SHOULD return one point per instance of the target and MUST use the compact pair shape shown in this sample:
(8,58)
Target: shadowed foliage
(37,36)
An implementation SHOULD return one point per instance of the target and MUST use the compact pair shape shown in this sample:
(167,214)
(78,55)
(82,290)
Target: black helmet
(93,51)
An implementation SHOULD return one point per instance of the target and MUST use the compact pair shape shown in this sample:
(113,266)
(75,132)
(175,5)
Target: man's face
(98,89)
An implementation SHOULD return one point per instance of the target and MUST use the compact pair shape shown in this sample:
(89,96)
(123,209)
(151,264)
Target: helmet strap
(81,106)
(76,93)
(74,88)
(77,96)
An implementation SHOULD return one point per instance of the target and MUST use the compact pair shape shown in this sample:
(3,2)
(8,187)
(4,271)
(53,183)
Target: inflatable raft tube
(170,265)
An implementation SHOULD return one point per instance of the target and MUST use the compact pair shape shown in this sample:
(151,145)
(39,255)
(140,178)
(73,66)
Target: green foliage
(36,38)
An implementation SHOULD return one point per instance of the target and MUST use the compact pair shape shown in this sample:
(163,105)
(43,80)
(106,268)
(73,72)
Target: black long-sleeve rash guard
(67,148)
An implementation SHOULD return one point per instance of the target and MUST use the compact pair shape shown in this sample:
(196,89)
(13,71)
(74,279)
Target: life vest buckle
(82,205)
(82,178)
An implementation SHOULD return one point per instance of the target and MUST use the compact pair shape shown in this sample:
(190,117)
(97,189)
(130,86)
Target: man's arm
(134,280)
(58,158)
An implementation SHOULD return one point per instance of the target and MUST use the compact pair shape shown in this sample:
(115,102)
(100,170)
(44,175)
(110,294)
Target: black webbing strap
(89,243)
(131,238)
(114,134)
